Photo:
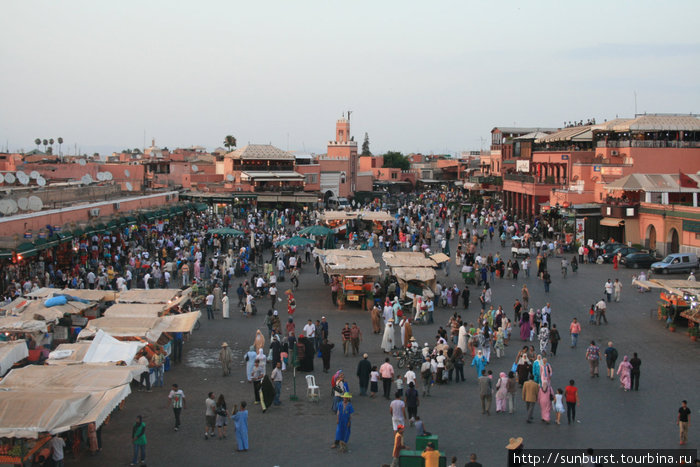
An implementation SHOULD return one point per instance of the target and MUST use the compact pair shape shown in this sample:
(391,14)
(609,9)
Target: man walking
(209,415)
(617,289)
(346,338)
(683,421)
(178,402)
(593,357)
(608,290)
(600,308)
(258,376)
(364,368)
(276,378)
(530,391)
(574,330)
(397,409)
(398,446)
(572,400)
(210,306)
(412,402)
(355,338)
(634,373)
(554,339)
(485,392)
(610,359)
(386,371)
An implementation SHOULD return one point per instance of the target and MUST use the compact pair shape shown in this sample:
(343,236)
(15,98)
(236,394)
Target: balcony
(520,177)
(620,209)
(648,144)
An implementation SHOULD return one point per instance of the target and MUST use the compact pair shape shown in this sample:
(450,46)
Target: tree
(37,141)
(395,159)
(49,150)
(46,143)
(51,144)
(230,142)
(365,146)
(60,142)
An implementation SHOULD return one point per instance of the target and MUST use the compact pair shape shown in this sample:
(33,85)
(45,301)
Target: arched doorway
(651,237)
(673,243)
(327,196)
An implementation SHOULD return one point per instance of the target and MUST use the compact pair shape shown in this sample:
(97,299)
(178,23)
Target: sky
(418,76)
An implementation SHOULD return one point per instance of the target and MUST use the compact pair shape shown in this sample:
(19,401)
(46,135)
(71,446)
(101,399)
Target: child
(373,382)
(559,404)
(420,428)
(591,315)
(399,385)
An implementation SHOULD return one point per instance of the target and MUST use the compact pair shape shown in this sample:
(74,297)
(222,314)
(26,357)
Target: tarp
(85,294)
(14,307)
(407,259)
(12,352)
(675,286)
(135,310)
(440,258)
(349,262)
(415,274)
(19,324)
(148,296)
(105,348)
(69,354)
(144,328)
(378,216)
(183,322)
(36,310)
(85,378)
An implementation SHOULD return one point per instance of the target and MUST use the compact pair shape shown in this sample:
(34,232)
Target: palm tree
(60,142)
(230,142)
(51,143)
(46,143)
(37,141)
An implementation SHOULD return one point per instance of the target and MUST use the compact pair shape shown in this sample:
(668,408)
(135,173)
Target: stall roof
(407,259)
(377,216)
(440,258)
(135,310)
(85,294)
(676,286)
(149,295)
(79,378)
(414,274)
(69,354)
(19,324)
(338,215)
(12,352)
(145,328)
(36,308)
(349,262)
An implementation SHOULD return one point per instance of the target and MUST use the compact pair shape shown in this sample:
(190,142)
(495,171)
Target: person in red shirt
(572,400)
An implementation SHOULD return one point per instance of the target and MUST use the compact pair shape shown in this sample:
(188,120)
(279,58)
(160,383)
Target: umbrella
(296,241)
(316,230)
(225,231)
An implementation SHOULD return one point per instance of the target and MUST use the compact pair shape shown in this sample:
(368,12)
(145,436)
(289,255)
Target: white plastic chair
(313,392)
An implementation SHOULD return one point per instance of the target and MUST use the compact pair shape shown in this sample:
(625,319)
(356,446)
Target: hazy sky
(425,76)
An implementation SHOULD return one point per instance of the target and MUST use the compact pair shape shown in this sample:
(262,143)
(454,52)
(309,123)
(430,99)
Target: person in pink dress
(624,371)
(544,398)
(501,392)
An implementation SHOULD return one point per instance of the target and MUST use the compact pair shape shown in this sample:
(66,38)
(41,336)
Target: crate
(413,459)
(422,442)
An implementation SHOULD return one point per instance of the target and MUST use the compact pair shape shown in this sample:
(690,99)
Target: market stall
(414,272)
(12,352)
(134,328)
(136,310)
(679,300)
(354,270)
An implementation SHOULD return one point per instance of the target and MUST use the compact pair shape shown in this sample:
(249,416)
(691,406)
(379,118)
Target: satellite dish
(86,179)
(2,178)
(34,175)
(23,203)
(23,178)
(127,174)
(4,207)
(107,175)
(195,168)
(129,187)
(41,181)
(13,206)
(10,178)
(82,161)
(100,176)
(35,203)
(230,177)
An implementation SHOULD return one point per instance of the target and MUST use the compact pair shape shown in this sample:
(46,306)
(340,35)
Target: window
(393,175)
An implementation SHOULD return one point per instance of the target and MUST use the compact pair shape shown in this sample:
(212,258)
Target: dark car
(624,251)
(610,247)
(638,260)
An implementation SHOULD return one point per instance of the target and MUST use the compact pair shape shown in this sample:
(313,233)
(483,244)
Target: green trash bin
(413,459)
(422,442)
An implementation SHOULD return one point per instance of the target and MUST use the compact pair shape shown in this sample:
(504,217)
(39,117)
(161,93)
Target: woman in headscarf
(342,431)
(624,371)
(499,344)
(307,361)
(537,370)
(479,363)
(388,338)
(544,397)
(250,362)
(261,358)
(406,333)
(544,339)
(531,321)
(524,366)
(525,327)
(259,342)
(340,387)
(501,392)
(545,371)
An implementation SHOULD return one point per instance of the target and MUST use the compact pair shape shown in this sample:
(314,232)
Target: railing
(519,178)
(648,144)
(487,180)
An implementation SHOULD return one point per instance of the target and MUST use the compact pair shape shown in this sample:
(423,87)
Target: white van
(676,262)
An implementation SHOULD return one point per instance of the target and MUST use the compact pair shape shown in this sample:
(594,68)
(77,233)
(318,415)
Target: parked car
(638,260)
(622,250)
(676,262)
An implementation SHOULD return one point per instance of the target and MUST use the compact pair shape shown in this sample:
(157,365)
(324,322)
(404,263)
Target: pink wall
(17,225)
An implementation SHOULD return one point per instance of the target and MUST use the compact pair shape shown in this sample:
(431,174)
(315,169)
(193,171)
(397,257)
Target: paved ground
(300,433)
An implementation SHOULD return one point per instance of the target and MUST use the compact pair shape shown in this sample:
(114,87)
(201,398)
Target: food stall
(679,300)
(414,272)
(355,270)
(338,220)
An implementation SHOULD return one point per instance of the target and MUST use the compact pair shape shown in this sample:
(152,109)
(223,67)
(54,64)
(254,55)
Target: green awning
(63,237)
(201,207)
(113,224)
(130,220)
(5,254)
(77,232)
(43,243)
(26,249)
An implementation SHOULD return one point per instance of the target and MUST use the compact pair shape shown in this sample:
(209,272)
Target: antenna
(195,168)
(34,175)
(10,178)
(12,206)
(35,203)
(41,181)
(230,177)
(129,187)
(22,177)
(2,178)
(23,203)
(635,103)
(86,179)
(82,162)
(127,174)
(108,175)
